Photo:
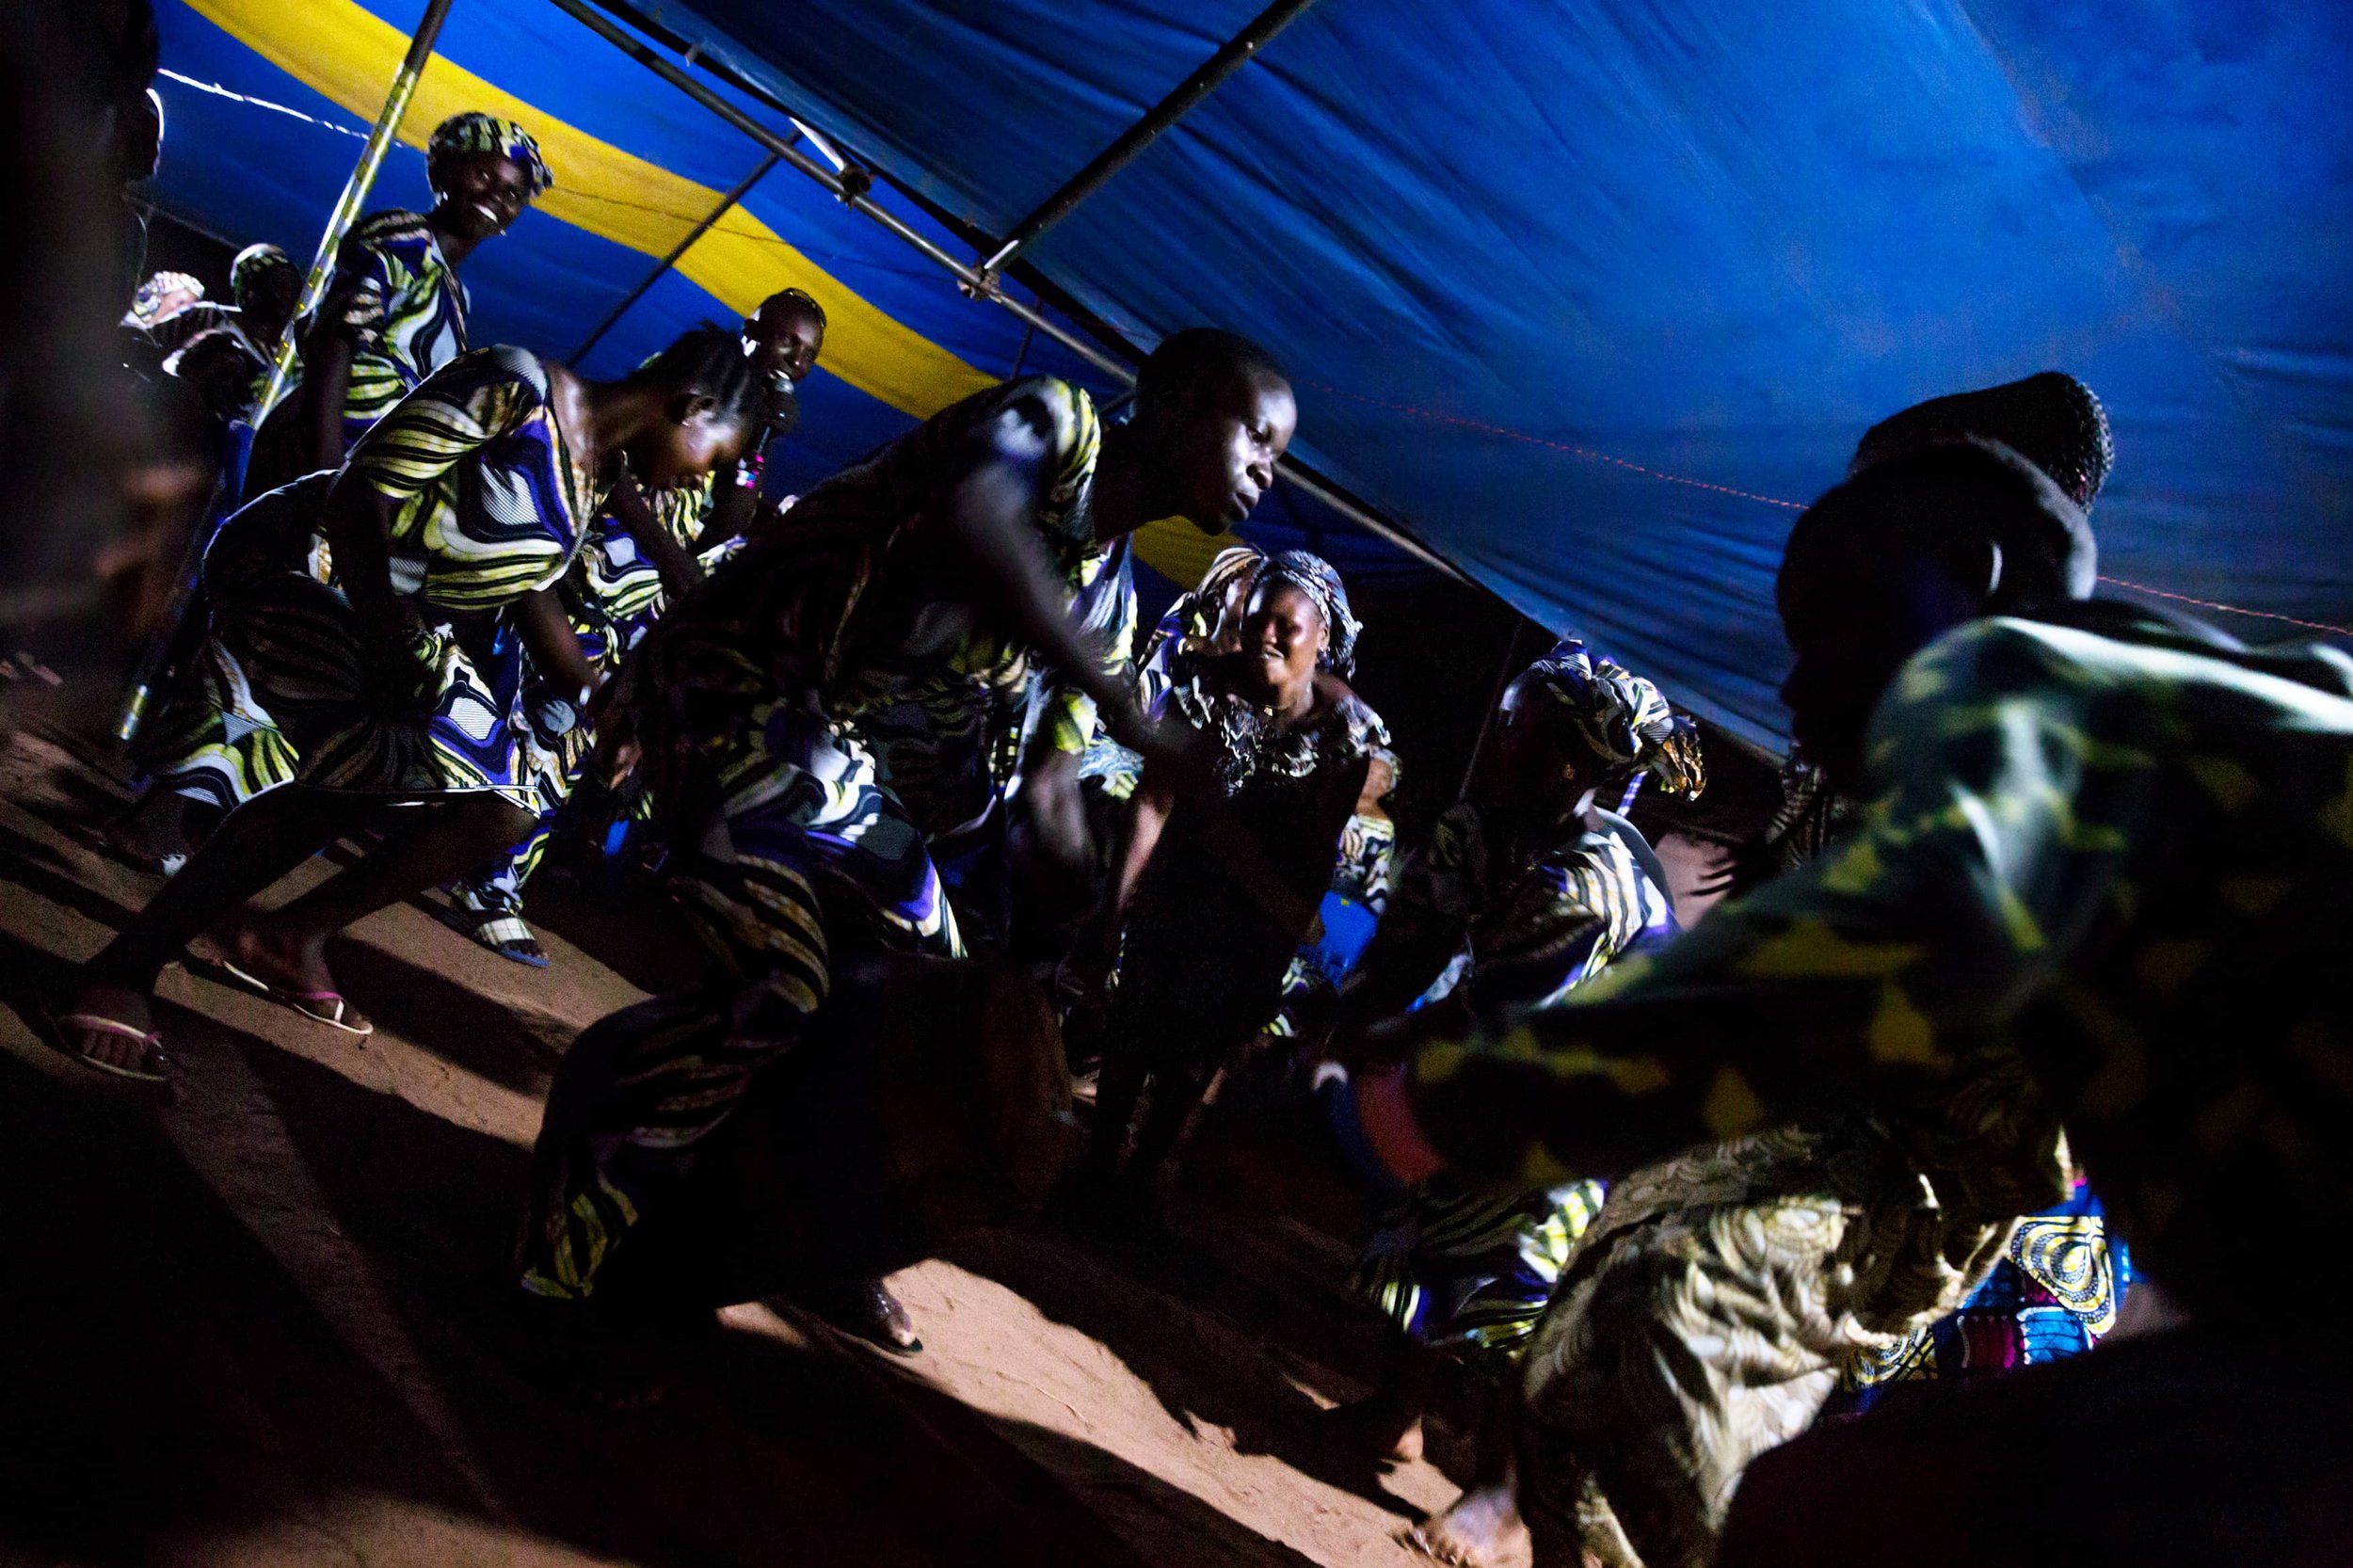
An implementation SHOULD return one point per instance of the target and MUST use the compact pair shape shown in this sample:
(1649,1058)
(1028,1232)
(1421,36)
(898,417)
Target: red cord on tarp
(2233,609)
(1522,436)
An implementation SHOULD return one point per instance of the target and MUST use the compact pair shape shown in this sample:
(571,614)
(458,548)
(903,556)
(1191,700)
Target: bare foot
(265,954)
(1479,1532)
(104,1046)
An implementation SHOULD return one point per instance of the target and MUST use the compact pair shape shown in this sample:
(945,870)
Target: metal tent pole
(727,204)
(141,691)
(850,190)
(356,190)
(1236,54)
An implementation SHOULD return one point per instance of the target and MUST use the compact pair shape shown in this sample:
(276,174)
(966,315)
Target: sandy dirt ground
(243,1328)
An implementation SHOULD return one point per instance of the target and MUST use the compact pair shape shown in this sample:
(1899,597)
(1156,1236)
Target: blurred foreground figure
(75,122)
(2104,876)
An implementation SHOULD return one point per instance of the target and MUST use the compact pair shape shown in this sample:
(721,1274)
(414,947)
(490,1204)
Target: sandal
(504,935)
(153,1065)
(326,1007)
(865,1309)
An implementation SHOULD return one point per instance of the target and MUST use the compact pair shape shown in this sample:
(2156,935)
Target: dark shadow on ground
(170,1379)
(628,924)
(438,1012)
(38,868)
(1117,1284)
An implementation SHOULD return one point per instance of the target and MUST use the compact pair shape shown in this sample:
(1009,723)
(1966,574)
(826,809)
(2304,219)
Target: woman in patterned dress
(396,311)
(1525,889)
(643,553)
(1213,895)
(377,620)
(914,589)
(393,314)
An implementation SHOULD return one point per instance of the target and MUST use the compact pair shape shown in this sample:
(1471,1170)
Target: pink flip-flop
(151,1067)
(326,1007)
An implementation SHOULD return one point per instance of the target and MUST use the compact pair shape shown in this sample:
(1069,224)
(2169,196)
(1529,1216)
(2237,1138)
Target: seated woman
(643,553)
(1526,889)
(1213,894)
(921,584)
(371,624)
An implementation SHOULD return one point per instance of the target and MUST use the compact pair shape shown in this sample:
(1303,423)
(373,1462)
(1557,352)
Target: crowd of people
(2050,906)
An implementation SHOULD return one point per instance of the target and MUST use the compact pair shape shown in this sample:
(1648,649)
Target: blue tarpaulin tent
(1590,298)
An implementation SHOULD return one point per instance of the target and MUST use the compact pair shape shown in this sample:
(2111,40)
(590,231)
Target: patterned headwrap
(147,306)
(1312,575)
(1621,717)
(1203,605)
(476,131)
(249,267)
(2052,420)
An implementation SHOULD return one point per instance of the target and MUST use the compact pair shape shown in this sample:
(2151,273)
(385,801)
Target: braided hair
(709,362)
(801,298)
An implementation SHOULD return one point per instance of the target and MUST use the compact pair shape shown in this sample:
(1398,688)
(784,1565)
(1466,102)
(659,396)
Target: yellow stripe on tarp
(346,53)
(1178,551)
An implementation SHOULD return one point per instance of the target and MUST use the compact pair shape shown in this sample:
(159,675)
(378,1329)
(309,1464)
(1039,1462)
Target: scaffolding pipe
(355,191)
(976,283)
(727,204)
(1156,122)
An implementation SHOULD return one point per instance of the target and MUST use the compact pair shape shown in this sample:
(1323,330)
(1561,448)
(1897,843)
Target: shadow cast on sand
(178,1372)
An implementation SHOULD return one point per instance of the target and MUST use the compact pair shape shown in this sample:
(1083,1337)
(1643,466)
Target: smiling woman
(346,53)
(396,311)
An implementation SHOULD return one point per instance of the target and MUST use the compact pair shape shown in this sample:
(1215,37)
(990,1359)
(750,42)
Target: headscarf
(252,263)
(2052,420)
(147,306)
(476,131)
(1313,576)
(1207,602)
(1622,718)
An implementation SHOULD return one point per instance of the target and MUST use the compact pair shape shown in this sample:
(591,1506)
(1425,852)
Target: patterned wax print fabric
(1464,1269)
(2100,842)
(170,333)
(1169,657)
(400,303)
(1523,925)
(1700,1321)
(476,131)
(758,705)
(486,506)
(2054,1294)
(402,306)
(851,602)
(612,596)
